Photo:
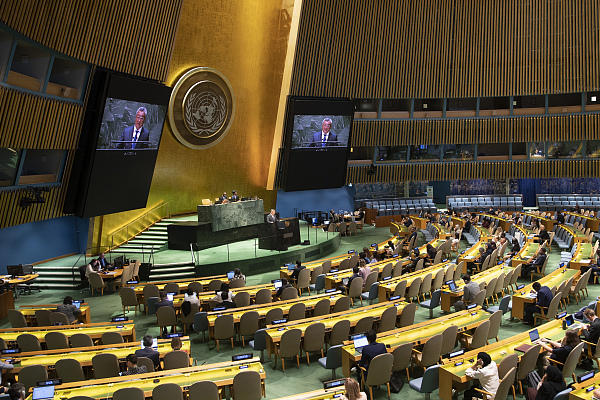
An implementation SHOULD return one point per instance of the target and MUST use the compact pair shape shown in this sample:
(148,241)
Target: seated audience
(68,309)
(226,302)
(148,351)
(224,287)
(176,343)
(163,300)
(284,285)
(3,366)
(237,274)
(543,235)
(296,272)
(189,296)
(543,299)
(551,384)
(346,288)
(469,291)
(132,367)
(558,351)
(486,371)
(363,270)
(370,351)
(353,391)
(533,264)
(17,391)
(93,266)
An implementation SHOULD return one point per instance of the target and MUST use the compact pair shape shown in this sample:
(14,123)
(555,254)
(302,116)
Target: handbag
(396,383)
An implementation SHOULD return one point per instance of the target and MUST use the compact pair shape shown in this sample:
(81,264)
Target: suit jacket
(150,353)
(371,351)
(560,218)
(69,310)
(544,297)
(103,262)
(544,235)
(540,260)
(318,139)
(164,303)
(271,219)
(592,334)
(128,136)
(235,197)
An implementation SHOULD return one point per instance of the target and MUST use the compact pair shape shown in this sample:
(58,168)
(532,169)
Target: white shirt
(192,299)
(488,377)
(324,136)
(136,134)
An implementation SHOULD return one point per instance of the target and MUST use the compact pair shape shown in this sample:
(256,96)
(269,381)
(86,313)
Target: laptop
(43,393)
(77,305)
(291,266)
(154,343)
(452,286)
(360,341)
(170,296)
(569,321)
(345,281)
(277,283)
(230,275)
(534,336)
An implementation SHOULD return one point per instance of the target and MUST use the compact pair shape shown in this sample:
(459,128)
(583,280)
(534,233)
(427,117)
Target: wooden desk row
(95,331)
(528,250)
(583,255)
(448,297)
(84,355)
(29,312)
(387,287)
(591,222)
(578,235)
(417,333)
(274,332)
(451,373)
(547,222)
(222,374)
(522,298)
(183,283)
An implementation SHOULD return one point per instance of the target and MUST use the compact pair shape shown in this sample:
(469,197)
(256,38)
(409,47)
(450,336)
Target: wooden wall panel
(475,130)
(439,48)
(479,170)
(34,122)
(135,37)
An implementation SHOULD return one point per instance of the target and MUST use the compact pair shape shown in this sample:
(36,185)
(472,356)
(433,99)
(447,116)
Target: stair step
(152,236)
(165,222)
(161,228)
(175,275)
(144,241)
(164,271)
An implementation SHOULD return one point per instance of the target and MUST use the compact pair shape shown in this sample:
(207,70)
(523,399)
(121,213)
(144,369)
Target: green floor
(293,381)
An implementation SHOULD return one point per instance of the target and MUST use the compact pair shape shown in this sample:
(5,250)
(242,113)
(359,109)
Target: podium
(280,237)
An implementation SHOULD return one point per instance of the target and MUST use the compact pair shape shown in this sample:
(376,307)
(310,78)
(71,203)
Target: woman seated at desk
(558,351)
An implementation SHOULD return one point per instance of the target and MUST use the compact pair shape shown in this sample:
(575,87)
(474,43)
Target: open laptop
(277,283)
(360,341)
(570,322)
(534,336)
(452,286)
(43,393)
(170,296)
(291,266)
(230,275)
(345,281)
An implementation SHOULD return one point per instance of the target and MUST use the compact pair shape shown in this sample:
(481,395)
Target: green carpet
(294,380)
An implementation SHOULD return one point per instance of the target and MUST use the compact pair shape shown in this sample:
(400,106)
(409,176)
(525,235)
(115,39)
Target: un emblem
(201,108)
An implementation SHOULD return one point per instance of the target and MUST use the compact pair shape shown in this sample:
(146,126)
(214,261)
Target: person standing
(324,138)
(137,134)
(273,228)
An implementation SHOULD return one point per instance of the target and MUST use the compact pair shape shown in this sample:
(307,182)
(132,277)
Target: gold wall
(246,41)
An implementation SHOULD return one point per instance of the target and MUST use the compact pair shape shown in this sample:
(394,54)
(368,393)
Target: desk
(417,333)
(470,255)
(582,256)
(578,236)
(580,390)
(387,287)
(398,229)
(547,222)
(450,373)
(29,312)
(204,297)
(335,263)
(221,373)
(95,331)
(7,302)
(263,309)
(458,221)
(334,279)
(484,233)
(183,283)
(420,223)
(502,222)
(522,298)
(20,280)
(320,394)
(525,254)
(449,298)
(85,354)
(591,222)
(380,247)
(443,232)
(274,332)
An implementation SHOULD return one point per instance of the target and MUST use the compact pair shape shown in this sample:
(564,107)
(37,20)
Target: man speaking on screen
(136,134)
(325,137)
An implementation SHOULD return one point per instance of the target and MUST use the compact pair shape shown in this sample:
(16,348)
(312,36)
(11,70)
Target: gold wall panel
(440,48)
(476,170)
(475,130)
(246,41)
(131,36)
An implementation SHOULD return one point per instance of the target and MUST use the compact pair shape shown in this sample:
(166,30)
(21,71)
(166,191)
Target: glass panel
(493,151)
(565,149)
(6,42)
(29,67)
(536,150)
(519,151)
(362,153)
(425,153)
(66,79)
(593,148)
(459,152)
(392,153)
(41,166)
(9,163)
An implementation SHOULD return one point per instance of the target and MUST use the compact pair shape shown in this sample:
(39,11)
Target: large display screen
(119,144)
(317,134)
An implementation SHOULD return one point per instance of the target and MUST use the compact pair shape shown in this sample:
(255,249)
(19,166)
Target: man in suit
(534,263)
(136,133)
(68,309)
(104,264)
(325,137)
(591,332)
(234,196)
(370,351)
(543,299)
(543,235)
(560,217)
(272,221)
(469,291)
(148,351)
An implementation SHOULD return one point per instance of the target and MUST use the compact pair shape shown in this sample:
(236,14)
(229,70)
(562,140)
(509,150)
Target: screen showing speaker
(119,142)
(316,142)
